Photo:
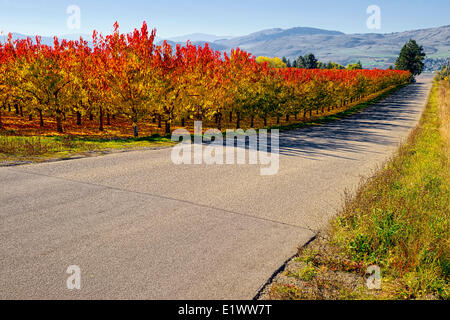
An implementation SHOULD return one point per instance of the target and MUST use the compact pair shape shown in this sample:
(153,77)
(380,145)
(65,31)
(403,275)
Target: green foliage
(444,74)
(301,64)
(411,58)
(330,65)
(355,66)
(359,248)
(310,61)
(308,273)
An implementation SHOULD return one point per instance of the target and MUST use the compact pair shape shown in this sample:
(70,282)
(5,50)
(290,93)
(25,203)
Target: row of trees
(309,61)
(444,73)
(130,76)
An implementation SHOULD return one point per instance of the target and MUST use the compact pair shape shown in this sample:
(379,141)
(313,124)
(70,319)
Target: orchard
(128,77)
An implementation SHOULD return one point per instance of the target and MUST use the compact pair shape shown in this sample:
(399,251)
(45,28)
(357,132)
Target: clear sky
(220,17)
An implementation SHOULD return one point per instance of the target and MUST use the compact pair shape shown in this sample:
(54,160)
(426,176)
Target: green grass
(399,220)
(35,149)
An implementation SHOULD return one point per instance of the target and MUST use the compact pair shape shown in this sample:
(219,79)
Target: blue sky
(224,17)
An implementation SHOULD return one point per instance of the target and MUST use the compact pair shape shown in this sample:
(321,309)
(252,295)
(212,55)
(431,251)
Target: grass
(40,148)
(399,220)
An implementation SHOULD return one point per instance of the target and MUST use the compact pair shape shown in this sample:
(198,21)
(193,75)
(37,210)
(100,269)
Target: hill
(374,50)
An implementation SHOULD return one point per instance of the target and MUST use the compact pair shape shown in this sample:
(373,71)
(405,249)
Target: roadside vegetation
(399,220)
(17,149)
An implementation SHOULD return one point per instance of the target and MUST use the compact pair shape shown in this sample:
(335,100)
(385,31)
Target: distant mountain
(18,36)
(198,37)
(213,45)
(47,40)
(86,37)
(266,36)
(374,50)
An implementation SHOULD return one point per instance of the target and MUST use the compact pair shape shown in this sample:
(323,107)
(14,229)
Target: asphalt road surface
(140,227)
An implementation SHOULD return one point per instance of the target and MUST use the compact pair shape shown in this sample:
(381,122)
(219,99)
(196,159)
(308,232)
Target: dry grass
(444,103)
(16,149)
(398,220)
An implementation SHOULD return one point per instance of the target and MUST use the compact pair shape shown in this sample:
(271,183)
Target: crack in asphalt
(166,198)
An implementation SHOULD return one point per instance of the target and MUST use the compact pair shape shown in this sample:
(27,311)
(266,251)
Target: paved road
(140,227)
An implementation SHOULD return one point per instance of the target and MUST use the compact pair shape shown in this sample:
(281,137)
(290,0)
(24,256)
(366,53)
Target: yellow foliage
(272,62)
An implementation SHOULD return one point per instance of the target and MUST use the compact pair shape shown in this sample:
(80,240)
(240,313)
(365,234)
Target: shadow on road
(373,125)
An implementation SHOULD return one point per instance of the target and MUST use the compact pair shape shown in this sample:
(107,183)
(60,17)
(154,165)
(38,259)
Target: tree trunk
(167,126)
(17,108)
(30,117)
(21,111)
(135,130)
(252,121)
(78,118)
(183,122)
(238,120)
(265,121)
(91,116)
(100,118)
(9,108)
(288,118)
(108,119)
(59,127)
(41,118)
(159,121)
(231,116)
(278,120)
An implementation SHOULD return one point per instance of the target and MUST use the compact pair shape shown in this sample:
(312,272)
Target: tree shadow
(359,132)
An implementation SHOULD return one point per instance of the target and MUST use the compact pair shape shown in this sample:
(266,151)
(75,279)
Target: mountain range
(372,49)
